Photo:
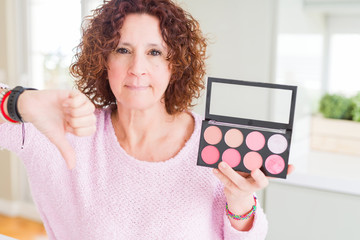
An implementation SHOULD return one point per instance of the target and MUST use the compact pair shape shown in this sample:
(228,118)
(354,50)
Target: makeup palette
(247,125)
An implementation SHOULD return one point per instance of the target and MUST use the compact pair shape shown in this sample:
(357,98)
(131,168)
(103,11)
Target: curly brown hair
(180,31)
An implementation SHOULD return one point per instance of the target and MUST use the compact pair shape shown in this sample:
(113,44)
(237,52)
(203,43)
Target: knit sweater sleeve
(257,232)
(12,135)
(26,142)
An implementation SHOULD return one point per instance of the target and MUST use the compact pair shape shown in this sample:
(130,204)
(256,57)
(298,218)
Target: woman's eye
(122,51)
(154,52)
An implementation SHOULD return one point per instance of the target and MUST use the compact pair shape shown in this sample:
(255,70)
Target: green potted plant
(338,129)
(336,106)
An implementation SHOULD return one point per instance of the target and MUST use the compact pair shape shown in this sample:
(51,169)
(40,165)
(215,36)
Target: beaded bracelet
(3,86)
(241,217)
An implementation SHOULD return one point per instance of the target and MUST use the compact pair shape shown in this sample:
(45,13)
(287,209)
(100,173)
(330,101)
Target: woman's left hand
(239,187)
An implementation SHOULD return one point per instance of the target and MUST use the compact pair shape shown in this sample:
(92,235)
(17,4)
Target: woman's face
(138,70)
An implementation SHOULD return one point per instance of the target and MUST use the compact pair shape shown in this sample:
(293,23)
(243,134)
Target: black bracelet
(12,103)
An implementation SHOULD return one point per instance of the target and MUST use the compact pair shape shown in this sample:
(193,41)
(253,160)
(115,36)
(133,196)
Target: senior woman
(140,63)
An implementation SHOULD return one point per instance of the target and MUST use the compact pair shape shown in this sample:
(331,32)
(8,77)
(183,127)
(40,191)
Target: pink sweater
(111,195)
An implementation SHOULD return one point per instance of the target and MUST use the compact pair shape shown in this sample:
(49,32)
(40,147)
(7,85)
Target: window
(54,33)
(344,55)
(299,62)
(319,52)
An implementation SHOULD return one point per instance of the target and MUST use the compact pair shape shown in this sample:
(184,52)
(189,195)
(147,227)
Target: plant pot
(334,135)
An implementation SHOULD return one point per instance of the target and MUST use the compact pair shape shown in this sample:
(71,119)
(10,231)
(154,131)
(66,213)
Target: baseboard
(19,209)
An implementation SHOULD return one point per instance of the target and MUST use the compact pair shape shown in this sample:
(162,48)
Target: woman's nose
(138,65)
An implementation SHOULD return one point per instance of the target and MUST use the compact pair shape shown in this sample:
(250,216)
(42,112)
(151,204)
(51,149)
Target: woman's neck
(151,135)
(135,125)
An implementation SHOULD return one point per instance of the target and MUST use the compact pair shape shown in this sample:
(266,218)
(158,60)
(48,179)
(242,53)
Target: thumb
(70,95)
(66,150)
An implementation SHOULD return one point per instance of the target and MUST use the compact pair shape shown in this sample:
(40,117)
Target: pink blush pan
(212,135)
(275,164)
(277,143)
(232,157)
(253,160)
(210,154)
(255,141)
(233,138)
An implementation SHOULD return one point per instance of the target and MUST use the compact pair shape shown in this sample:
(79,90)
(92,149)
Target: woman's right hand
(56,112)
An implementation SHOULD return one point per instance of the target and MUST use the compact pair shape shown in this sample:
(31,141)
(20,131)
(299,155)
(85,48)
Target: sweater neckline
(181,155)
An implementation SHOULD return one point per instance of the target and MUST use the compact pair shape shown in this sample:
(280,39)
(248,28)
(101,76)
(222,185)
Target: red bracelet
(2,108)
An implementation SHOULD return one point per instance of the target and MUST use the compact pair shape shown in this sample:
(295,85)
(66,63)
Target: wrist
(241,205)
(9,99)
(244,216)
(24,104)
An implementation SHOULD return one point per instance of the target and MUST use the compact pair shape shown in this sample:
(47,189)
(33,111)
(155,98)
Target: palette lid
(256,104)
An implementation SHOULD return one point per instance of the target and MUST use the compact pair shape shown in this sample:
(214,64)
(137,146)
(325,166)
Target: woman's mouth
(136,88)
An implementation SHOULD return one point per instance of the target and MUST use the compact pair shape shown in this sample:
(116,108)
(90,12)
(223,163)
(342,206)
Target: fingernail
(223,165)
(256,172)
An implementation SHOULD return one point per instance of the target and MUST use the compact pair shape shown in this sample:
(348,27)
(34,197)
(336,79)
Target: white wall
(241,38)
(292,19)
(299,213)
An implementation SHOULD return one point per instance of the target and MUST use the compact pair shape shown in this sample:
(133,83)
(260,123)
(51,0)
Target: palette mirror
(250,102)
